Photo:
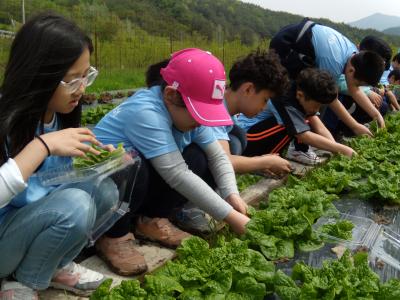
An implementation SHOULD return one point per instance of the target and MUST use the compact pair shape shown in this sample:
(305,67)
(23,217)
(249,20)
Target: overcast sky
(336,10)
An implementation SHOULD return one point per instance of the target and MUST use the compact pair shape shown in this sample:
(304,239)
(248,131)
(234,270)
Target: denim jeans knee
(42,236)
(104,193)
(77,209)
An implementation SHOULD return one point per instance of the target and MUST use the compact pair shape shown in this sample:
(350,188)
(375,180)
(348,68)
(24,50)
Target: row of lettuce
(243,268)
(232,270)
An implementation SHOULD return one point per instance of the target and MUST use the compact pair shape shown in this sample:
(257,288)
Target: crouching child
(295,115)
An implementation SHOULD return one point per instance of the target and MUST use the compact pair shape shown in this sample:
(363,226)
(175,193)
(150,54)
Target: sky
(336,10)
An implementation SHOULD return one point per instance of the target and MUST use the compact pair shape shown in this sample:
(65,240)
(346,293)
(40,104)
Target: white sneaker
(77,279)
(307,158)
(14,290)
(321,153)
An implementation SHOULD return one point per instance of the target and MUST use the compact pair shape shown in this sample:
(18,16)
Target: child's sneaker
(307,158)
(321,153)
(160,230)
(121,255)
(191,219)
(14,290)
(77,279)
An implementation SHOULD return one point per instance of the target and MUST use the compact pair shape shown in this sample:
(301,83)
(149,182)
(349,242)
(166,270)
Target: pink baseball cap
(200,78)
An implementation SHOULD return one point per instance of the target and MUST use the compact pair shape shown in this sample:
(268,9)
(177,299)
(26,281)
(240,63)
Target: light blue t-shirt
(342,86)
(144,123)
(222,132)
(332,49)
(384,78)
(268,112)
(35,190)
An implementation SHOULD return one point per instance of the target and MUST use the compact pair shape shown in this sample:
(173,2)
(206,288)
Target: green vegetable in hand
(92,159)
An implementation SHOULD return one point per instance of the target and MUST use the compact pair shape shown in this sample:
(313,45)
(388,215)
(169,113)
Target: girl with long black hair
(43,229)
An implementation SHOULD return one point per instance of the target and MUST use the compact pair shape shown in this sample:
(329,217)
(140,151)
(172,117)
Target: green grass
(112,80)
(5,45)
(117,80)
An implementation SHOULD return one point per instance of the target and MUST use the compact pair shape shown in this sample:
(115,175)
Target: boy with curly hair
(295,115)
(254,79)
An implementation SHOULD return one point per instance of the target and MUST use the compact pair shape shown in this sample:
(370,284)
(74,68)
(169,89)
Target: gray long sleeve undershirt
(174,170)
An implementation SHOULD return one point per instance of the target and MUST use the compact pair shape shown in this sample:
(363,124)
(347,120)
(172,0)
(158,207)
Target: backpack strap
(307,25)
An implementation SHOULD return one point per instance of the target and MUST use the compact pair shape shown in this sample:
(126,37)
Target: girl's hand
(237,203)
(380,120)
(362,130)
(237,221)
(375,98)
(275,165)
(109,147)
(348,151)
(71,142)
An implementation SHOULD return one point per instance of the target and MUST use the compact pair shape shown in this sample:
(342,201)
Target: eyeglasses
(72,86)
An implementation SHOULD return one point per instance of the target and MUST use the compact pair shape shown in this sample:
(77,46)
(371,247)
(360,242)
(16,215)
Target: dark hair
(317,85)
(377,45)
(41,54)
(395,73)
(261,68)
(368,66)
(153,76)
(396,58)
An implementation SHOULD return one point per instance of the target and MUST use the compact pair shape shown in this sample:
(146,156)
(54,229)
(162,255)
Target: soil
(119,95)
(381,219)
(88,98)
(105,98)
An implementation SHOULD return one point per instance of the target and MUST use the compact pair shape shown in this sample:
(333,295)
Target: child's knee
(76,210)
(106,196)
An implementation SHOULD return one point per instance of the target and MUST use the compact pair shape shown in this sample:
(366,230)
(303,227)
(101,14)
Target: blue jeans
(45,235)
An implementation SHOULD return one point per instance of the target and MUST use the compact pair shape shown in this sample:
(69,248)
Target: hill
(211,19)
(377,21)
(392,30)
(234,18)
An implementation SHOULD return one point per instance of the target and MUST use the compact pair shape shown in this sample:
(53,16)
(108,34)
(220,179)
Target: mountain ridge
(392,31)
(377,21)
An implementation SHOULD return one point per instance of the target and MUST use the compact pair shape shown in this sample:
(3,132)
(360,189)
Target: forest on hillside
(129,35)
(211,19)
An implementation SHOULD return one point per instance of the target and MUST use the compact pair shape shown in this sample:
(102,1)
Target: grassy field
(110,80)
(4,48)
(123,61)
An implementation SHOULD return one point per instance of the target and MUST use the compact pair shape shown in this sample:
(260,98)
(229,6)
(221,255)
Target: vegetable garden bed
(281,231)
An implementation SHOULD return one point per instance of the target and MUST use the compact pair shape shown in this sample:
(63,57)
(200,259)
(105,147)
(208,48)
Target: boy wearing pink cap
(181,160)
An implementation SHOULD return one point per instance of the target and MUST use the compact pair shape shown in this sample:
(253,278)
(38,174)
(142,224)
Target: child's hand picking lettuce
(91,159)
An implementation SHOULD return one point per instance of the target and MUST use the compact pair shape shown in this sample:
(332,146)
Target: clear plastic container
(382,244)
(68,174)
(363,227)
(385,253)
(110,185)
